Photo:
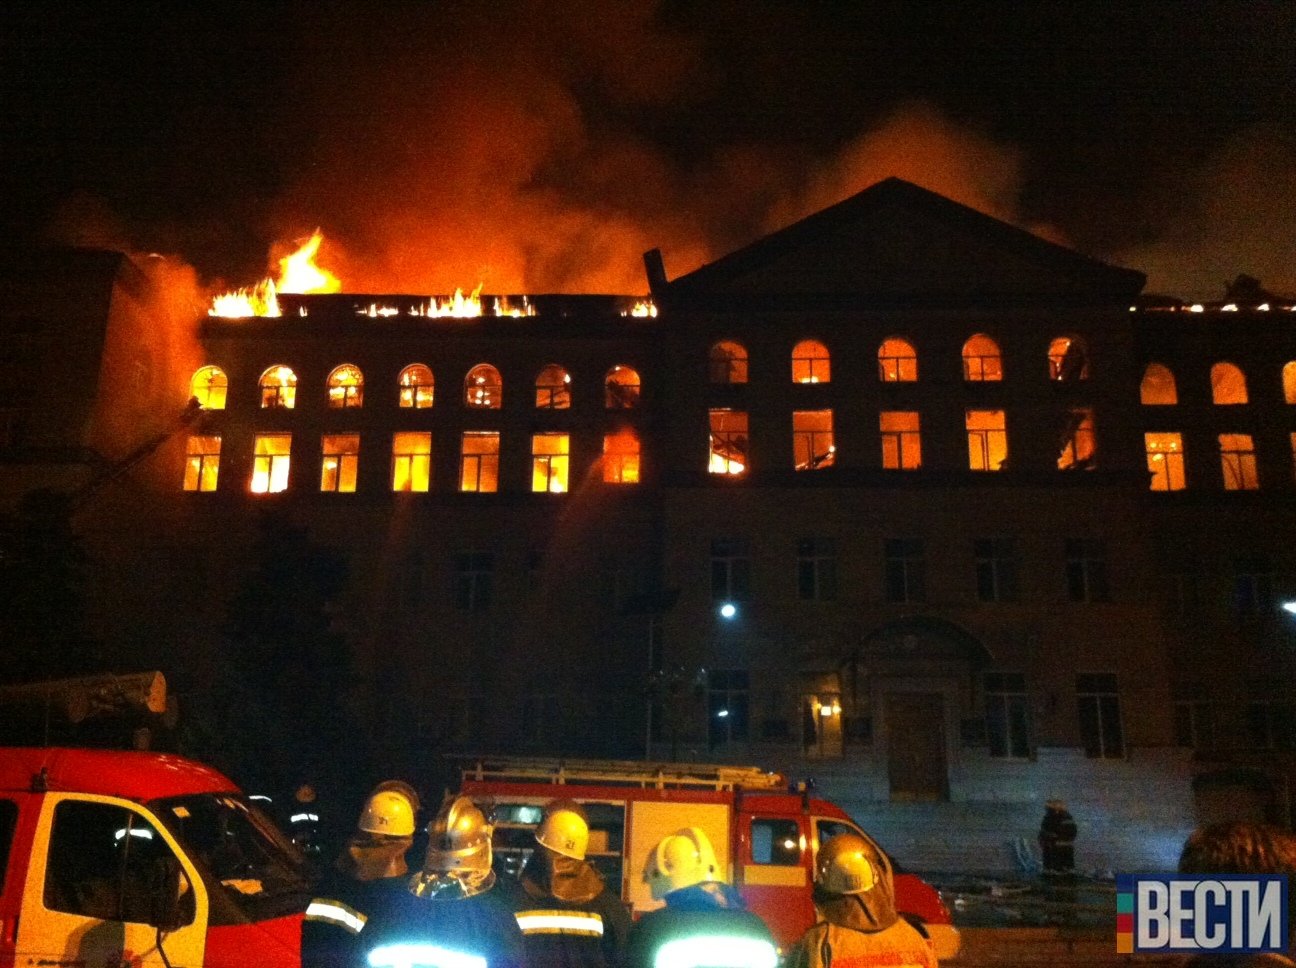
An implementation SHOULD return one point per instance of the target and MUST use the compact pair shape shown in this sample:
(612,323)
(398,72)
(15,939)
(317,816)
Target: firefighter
(369,875)
(855,900)
(568,917)
(704,921)
(455,911)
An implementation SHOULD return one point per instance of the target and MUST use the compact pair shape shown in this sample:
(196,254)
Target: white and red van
(131,858)
(765,837)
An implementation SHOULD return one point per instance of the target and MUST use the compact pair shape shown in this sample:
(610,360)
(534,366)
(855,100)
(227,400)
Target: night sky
(535,147)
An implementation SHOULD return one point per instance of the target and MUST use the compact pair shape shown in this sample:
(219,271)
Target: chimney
(656,270)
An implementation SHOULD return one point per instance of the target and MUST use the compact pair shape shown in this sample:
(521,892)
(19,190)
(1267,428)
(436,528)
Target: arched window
(1289,382)
(416,386)
(727,362)
(810,362)
(621,388)
(1068,360)
(279,388)
(1158,387)
(209,386)
(483,388)
(897,361)
(553,388)
(981,359)
(1228,384)
(346,387)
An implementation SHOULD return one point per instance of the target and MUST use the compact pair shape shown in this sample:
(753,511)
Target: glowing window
(1228,384)
(729,442)
(1165,461)
(339,462)
(278,388)
(346,387)
(812,440)
(483,388)
(550,455)
(621,388)
(202,462)
(411,461)
(479,456)
(416,386)
(987,437)
(621,457)
(727,362)
(1238,462)
(1079,445)
(1158,388)
(810,362)
(981,359)
(1289,382)
(897,361)
(270,463)
(901,440)
(1067,359)
(553,388)
(209,386)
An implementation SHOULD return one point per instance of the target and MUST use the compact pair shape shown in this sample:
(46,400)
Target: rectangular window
(1194,716)
(550,454)
(1098,703)
(901,440)
(1238,462)
(1252,586)
(411,461)
(1165,461)
(776,842)
(1293,454)
(817,569)
(812,439)
(1086,570)
(730,570)
(202,462)
(1079,445)
(904,570)
(727,696)
(270,463)
(339,462)
(474,578)
(1007,714)
(987,436)
(1271,725)
(621,457)
(479,461)
(729,442)
(996,569)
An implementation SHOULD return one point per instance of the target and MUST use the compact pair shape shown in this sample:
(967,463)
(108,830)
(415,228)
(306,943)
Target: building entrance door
(915,724)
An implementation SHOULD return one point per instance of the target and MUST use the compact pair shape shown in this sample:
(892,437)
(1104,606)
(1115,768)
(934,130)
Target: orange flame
(298,273)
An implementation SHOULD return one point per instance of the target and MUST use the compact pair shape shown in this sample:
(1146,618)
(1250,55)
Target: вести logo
(1220,913)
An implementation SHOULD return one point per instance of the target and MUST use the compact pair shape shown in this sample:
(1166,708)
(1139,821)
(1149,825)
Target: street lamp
(728,611)
(1289,607)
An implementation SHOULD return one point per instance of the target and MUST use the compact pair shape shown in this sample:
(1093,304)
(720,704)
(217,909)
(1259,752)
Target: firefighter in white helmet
(567,915)
(455,911)
(704,921)
(369,875)
(854,896)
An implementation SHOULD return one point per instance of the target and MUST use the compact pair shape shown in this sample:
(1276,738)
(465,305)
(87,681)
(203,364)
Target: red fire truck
(765,837)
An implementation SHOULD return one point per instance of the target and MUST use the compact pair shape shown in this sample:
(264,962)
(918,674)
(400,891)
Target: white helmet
(389,813)
(681,860)
(459,840)
(564,829)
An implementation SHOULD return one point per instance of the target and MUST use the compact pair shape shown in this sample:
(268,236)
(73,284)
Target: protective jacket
(698,922)
(367,880)
(849,937)
(1057,836)
(568,917)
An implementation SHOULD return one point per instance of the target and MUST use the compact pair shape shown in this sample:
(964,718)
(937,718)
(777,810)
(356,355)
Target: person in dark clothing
(1057,835)
(567,915)
(455,912)
(704,921)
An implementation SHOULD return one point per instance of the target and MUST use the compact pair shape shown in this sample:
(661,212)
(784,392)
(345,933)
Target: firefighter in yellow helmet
(858,924)
(567,915)
(704,921)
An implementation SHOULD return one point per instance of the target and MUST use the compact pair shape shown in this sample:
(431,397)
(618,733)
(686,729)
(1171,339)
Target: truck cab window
(776,842)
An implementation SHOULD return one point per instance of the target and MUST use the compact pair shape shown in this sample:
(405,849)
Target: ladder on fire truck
(660,776)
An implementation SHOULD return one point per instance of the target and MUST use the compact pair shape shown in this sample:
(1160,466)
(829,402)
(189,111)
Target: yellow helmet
(459,839)
(848,864)
(564,829)
(388,813)
(681,860)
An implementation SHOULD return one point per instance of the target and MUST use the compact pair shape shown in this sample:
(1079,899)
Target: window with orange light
(810,362)
(346,387)
(411,461)
(982,361)
(271,455)
(1079,445)
(1289,382)
(553,388)
(1068,360)
(812,440)
(621,457)
(479,456)
(339,462)
(987,437)
(550,457)
(621,388)
(727,362)
(1158,388)
(209,387)
(729,442)
(901,440)
(1228,384)
(278,388)
(1165,461)
(416,386)
(483,388)
(202,462)
(897,361)
(1238,462)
